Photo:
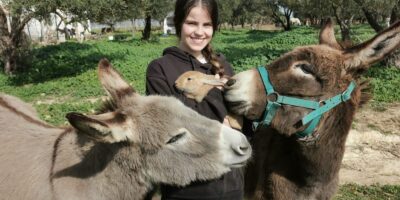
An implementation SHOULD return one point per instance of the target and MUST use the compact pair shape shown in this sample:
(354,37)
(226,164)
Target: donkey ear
(327,35)
(360,57)
(109,127)
(113,83)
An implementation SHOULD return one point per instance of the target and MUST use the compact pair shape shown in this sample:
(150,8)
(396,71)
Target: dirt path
(373,147)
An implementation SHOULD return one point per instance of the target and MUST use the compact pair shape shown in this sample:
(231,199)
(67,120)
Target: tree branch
(23,22)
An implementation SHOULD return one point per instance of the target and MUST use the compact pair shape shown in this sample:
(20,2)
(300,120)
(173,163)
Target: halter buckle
(272,97)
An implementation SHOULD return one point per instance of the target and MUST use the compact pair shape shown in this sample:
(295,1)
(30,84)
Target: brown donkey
(114,155)
(312,95)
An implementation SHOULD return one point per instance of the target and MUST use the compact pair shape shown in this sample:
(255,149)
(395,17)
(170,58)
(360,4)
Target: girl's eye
(176,138)
(191,23)
(305,68)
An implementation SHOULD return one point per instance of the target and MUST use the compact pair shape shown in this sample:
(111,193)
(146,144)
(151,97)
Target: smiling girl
(195,24)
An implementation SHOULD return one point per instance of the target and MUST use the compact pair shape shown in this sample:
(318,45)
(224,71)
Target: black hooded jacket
(160,79)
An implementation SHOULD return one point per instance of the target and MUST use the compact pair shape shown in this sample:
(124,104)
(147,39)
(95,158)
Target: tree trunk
(345,33)
(7,47)
(288,25)
(65,30)
(10,61)
(277,19)
(395,14)
(41,32)
(133,22)
(12,38)
(344,25)
(147,29)
(287,13)
(372,21)
(393,59)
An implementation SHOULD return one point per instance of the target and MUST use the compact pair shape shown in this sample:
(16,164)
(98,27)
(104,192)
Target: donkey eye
(176,138)
(305,68)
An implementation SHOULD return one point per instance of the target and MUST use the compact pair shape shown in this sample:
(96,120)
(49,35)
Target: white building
(127,24)
(47,31)
(169,27)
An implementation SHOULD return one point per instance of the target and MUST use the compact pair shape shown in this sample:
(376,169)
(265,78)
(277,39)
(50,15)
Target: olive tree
(282,10)
(377,12)
(14,16)
(154,9)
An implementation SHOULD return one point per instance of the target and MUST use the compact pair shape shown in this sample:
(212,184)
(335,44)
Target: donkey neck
(109,171)
(327,153)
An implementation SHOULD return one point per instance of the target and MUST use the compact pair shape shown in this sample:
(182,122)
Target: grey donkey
(115,155)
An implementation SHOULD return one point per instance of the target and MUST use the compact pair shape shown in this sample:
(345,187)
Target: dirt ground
(373,147)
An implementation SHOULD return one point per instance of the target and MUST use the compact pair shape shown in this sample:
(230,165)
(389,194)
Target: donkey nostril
(230,82)
(242,150)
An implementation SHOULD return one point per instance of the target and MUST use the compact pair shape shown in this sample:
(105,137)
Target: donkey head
(173,144)
(316,72)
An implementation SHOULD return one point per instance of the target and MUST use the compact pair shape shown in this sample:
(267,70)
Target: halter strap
(314,117)
(330,103)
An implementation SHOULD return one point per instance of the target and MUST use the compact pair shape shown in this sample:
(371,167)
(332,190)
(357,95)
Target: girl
(195,24)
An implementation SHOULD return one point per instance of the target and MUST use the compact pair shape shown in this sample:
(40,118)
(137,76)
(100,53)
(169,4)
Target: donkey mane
(26,116)
(108,105)
(54,154)
(366,92)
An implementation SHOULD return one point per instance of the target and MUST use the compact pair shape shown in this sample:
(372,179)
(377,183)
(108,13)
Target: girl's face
(196,32)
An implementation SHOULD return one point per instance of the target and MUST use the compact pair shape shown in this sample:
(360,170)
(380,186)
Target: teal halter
(312,118)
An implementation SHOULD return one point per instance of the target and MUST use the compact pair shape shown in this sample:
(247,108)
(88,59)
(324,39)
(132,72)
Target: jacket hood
(186,57)
(175,51)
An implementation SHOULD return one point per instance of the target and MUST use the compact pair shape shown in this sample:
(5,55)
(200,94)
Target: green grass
(69,69)
(66,74)
(246,49)
(374,192)
(385,82)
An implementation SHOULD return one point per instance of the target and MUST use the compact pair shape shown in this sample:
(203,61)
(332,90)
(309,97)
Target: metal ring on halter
(275,94)
(345,96)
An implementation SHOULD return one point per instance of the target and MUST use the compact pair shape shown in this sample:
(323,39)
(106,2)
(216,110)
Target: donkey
(307,99)
(114,155)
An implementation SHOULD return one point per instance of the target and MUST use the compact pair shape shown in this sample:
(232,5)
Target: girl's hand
(234,121)
(226,122)
(222,79)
